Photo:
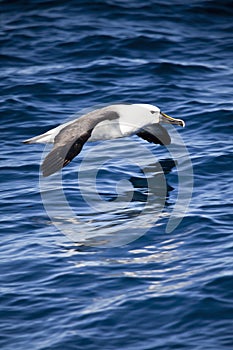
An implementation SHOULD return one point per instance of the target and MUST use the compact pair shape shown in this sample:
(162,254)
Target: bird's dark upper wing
(155,133)
(70,140)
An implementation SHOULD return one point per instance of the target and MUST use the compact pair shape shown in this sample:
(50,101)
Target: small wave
(32,70)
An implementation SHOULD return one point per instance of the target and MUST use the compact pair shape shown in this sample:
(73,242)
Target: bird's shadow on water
(140,182)
(139,197)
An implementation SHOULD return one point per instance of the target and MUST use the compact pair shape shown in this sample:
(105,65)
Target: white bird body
(107,123)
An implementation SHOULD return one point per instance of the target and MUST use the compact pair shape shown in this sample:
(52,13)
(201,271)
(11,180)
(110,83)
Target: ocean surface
(131,246)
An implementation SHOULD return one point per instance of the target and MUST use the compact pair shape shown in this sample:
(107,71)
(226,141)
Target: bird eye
(152,112)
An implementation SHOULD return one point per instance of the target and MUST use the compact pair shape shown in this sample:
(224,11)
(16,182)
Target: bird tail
(47,137)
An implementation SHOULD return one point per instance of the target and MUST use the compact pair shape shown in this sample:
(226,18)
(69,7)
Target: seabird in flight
(106,123)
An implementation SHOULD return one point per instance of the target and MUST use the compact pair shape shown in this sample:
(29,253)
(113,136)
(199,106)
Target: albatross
(111,122)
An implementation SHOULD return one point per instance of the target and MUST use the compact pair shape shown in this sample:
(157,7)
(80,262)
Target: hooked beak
(164,118)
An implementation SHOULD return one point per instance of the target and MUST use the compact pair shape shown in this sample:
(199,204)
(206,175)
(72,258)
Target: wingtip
(47,174)
(54,161)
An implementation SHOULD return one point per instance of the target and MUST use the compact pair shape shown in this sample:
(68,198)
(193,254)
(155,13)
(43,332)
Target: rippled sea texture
(164,290)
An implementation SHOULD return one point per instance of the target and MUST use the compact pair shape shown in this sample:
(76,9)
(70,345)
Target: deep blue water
(166,289)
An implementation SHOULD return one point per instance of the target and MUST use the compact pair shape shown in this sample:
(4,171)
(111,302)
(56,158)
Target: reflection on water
(132,200)
(162,268)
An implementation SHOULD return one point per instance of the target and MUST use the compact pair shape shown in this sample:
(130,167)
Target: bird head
(159,117)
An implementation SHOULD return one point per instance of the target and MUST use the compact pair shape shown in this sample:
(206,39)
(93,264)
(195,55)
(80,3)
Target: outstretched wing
(61,155)
(70,140)
(155,133)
